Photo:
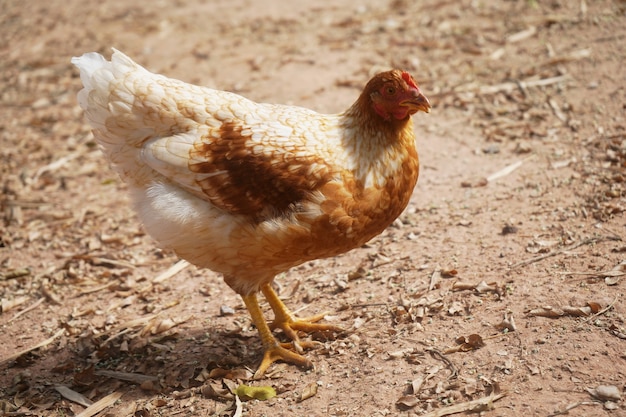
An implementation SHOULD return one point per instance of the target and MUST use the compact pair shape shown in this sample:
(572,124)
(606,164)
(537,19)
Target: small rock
(606,393)
(41,103)
(341,283)
(226,311)
(522,148)
(508,229)
(491,149)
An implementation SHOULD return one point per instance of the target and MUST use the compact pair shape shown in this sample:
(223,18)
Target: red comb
(409,80)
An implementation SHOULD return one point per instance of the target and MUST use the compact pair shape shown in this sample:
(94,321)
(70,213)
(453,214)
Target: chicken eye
(390,90)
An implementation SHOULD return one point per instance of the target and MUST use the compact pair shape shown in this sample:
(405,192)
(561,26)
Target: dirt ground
(500,290)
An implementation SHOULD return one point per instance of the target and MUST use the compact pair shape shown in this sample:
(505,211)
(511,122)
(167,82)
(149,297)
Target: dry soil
(500,290)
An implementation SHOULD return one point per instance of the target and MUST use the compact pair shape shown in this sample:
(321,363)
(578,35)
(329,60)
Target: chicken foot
(290,325)
(274,350)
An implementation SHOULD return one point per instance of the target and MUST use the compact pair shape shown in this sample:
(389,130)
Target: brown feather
(259,186)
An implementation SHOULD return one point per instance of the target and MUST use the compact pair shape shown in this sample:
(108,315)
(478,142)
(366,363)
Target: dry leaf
(534,370)
(163,326)
(541,246)
(6,305)
(577,311)
(237,373)
(551,312)
(474,183)
(547,311)
(475,341)
(595,307)
(508,323)
(231,385)
(456,308)
(483,287)
(159,402)
(216,391)
(520,36)
(471,342)
(399,353)
(408,401)
(416,385)
(616,331)
(450,273)
(308,392)
(613,276)
(238,407)
(73,396)
(85,377)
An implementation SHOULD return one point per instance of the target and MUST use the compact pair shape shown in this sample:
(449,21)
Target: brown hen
(250,190)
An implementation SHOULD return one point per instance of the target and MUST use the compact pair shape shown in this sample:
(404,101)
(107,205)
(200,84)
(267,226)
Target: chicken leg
(274,351)
(290,325)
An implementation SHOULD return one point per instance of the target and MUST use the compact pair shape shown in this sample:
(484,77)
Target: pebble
(226,311)
(607,393)
(491,149)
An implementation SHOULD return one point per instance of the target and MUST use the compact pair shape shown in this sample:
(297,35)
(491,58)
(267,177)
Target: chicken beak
(417,102)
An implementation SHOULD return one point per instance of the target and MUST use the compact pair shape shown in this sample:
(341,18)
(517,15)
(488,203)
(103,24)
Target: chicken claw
(274,351)
(290,325)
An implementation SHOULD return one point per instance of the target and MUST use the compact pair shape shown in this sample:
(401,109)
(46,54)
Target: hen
(250,190)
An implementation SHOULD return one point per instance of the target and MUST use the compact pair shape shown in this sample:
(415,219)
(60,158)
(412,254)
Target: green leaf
(246,392)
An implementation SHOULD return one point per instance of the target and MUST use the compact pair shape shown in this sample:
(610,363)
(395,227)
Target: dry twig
(30,349)
(27,309)
(437,354)
(507,170)
(572,406)
(126,376)
(170,272)
(588,241)
(478,405)
(53,166)
(510,86)
(100,405)
(604,310)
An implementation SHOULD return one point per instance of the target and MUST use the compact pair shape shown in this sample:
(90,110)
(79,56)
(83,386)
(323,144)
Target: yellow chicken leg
(288,323)
(274,351)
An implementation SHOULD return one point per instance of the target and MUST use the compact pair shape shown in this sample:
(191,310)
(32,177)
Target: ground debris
(466,344)
(605,393)
(611,277)
(588,241)
(507,323)
(126,376)
(308,392)
(572,311)
(100,405)
(72,395)
(480,288)
(509,82)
